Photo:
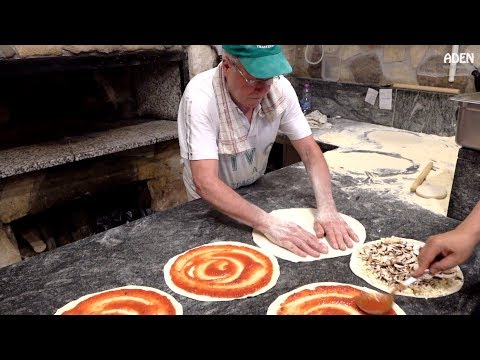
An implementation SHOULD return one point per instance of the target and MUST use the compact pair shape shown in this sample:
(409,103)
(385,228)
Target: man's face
(246,90)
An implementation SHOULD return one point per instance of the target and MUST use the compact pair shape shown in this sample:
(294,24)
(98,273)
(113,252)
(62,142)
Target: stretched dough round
(305,218)
(431,191)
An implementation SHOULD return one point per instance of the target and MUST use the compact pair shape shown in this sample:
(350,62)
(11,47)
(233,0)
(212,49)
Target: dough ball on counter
(431,191)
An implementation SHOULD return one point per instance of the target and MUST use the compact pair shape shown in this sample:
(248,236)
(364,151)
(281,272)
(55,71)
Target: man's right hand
(453,247)
(293,237)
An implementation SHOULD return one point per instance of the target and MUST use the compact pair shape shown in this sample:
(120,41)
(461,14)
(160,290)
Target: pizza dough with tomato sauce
(222,271)
(323,298)
(125,300)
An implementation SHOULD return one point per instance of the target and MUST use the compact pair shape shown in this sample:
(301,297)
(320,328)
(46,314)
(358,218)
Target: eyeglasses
(256,82)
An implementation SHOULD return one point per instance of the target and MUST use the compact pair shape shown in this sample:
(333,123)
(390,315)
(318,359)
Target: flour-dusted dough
(305,218)
(180,291)
(431,191)
(277,304)
(396,137)
(178,307)
(363,270)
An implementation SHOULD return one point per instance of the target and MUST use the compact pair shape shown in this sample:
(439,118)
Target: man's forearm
(321,182)
(319,175)
(229,202)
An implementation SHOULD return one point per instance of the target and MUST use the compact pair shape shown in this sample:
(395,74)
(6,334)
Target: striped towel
(233,134)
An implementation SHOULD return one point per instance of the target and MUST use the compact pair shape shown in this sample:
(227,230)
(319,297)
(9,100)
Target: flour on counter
(361,162)
(390,174)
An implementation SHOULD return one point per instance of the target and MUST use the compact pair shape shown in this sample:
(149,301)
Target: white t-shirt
(199,124)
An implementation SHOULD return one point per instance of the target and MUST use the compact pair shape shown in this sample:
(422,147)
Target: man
(227,123)
(444,251)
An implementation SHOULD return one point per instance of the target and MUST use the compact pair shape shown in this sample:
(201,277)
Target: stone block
(24,51)
(201,58)
(393,53)
(6,51)
(367,69)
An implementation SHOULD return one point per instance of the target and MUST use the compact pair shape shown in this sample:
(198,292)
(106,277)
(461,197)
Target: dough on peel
(431,191)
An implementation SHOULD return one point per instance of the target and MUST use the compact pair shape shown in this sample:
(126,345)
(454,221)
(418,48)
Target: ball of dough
(431,191)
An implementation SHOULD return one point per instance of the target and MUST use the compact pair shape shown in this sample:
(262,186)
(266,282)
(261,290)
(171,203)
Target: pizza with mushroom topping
(386,262)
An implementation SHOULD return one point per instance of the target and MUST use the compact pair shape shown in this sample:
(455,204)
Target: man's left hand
(330,224)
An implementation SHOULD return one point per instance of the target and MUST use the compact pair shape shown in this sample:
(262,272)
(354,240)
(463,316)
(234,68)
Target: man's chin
(254,102)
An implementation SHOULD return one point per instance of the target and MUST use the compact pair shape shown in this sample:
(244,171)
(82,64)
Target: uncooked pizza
(126,300)
(386,262)
(324,298)
(221,271)
(305,218)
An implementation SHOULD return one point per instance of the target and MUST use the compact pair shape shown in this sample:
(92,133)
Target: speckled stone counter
(135,254)
(40,156)
(465,187)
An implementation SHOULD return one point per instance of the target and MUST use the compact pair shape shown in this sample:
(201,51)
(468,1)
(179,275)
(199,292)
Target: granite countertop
(135,253)
(24,159)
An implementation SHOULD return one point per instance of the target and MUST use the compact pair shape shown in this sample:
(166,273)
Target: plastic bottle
(306,101)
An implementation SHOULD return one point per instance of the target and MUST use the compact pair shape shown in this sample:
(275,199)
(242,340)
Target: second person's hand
(452,248)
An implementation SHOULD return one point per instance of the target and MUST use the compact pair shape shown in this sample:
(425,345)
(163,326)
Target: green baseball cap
(261,61)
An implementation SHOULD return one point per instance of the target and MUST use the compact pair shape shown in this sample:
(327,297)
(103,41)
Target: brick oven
(88,140)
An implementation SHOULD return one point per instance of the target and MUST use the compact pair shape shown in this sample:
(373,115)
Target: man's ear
(226,63)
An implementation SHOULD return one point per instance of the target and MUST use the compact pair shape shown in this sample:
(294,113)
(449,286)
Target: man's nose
(265,85)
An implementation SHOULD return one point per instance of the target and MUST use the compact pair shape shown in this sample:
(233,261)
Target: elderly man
(227,123)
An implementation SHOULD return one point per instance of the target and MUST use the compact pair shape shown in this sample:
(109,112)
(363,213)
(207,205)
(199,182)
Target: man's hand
(453,247)
(329,223)
(293,237)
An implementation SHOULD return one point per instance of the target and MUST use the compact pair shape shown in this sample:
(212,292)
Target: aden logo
(462,58)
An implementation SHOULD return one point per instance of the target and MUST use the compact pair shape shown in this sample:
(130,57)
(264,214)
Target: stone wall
(383,64)
(28,51)
(106,98)
(201,58)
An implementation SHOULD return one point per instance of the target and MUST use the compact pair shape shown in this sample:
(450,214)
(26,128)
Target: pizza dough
(397,137)
(305,218)
(431,191)
(125,300)
(363,161)
(323,298)
(385,262)
(222,271)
